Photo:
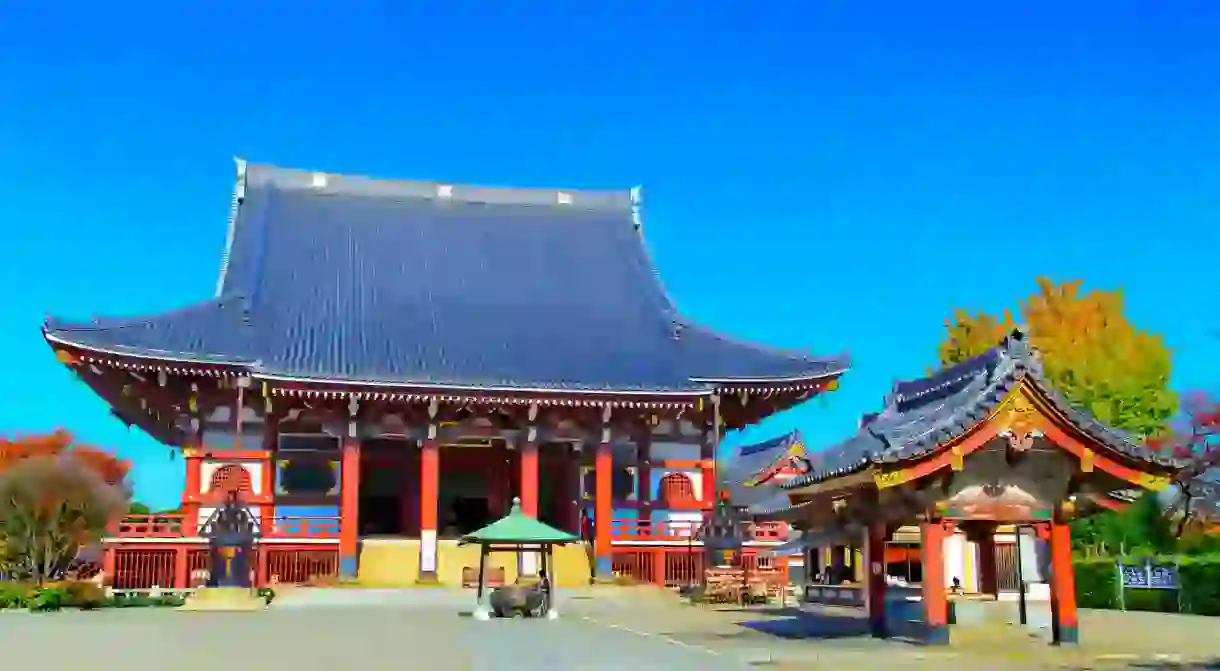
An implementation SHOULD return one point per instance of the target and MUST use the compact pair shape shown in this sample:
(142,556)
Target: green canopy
(517,528)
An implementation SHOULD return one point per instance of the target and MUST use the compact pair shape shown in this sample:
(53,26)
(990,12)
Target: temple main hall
(386,364)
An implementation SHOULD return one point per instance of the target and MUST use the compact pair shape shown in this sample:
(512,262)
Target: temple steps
(394,562)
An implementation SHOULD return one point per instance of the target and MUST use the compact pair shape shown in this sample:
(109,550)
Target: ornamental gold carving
(1019,421)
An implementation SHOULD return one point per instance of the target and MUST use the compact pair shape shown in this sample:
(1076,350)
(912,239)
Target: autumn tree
(51,507)
(1195,436)
(110,468)
(1090,352)
(56,496)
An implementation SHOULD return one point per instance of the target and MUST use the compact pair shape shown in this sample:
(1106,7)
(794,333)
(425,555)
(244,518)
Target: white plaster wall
(223,437)
(673,451)
(955,559)
(254,468)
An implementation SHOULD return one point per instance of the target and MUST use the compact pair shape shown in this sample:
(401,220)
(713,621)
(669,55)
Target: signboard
(1148,576)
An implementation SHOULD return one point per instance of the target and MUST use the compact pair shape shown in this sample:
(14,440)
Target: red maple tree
(61,443)
(1196,437)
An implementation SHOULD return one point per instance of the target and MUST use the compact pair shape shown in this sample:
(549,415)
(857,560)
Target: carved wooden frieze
(993,488)
(1019,421)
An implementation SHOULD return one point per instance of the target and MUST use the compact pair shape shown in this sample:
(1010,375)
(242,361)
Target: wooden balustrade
(149,526)
(170,526)
(621,529)
(303,527)
(632,529)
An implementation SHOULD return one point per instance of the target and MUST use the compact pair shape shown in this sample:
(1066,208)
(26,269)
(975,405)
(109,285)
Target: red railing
(303,527)
(171,526)
(149,526)
(681,531)
(674,567)
(299,527)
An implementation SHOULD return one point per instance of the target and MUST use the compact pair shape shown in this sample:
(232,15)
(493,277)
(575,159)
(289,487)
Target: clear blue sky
(824,174)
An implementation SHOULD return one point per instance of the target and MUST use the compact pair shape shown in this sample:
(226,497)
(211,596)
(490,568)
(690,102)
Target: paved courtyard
(609,629)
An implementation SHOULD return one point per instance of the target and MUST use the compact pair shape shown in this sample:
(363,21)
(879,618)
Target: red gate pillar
(429,489)
(874,578)
(1065,628)
(603,508)
(349,508)
(935,602)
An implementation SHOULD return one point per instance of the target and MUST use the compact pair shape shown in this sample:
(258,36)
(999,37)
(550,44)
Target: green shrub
(1097,586)
(15,594)
(84,595)
(47,599)
(145,601)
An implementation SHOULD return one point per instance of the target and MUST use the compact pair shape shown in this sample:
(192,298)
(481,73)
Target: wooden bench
(494,577)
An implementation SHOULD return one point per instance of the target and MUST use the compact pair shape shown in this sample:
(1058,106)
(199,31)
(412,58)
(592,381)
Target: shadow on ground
(795,624)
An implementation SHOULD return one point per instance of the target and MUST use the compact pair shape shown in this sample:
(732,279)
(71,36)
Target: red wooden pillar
(109,557)
(429,504)
(349,508)
(935,602)
(707,457)
(262,577)
(527,562)
(575,497)
(874,579)
(988,582)
(1065,628)
(643,470)
(181,577)
(603,508)
(271,443)
(192,492)
(529,478)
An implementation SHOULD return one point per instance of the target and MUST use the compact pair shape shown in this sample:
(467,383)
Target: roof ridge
(334,183)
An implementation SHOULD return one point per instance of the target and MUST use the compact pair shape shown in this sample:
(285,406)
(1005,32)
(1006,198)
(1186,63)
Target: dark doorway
(467,514)
(380,515)
(385,479)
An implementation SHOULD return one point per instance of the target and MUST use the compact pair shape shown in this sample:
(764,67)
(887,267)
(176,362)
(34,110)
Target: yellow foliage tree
(1090,351)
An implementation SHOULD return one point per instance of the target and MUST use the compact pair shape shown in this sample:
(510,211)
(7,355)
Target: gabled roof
(746,475)
(332,278)
(923,414)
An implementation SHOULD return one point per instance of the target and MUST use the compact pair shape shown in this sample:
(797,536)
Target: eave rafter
(743,405)
(149,412)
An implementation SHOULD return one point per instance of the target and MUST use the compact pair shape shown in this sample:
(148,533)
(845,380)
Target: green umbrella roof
(517,527)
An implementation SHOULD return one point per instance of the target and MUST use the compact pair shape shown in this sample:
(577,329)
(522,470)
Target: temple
(386,364)
(952,461)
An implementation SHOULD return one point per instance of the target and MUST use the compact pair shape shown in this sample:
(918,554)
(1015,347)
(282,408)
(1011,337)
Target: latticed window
(231,478)
(677,488)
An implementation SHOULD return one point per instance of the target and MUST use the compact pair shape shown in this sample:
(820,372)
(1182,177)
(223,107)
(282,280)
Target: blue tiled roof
(748,462)
(339,278)
(921,415)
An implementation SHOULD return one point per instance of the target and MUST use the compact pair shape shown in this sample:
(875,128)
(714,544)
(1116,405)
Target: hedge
(1097,586)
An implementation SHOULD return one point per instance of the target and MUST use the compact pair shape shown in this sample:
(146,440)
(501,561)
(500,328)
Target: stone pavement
(636,629)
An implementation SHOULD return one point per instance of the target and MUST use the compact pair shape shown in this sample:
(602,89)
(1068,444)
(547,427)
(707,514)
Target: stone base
(225,599)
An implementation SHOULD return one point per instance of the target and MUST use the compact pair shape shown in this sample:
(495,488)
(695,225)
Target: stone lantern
(723,535)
